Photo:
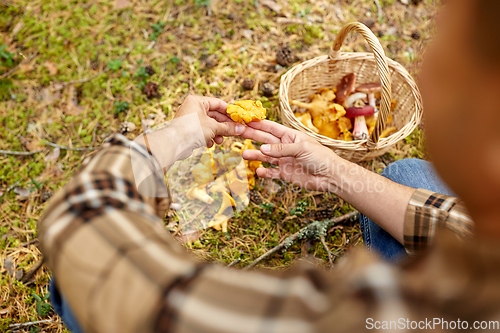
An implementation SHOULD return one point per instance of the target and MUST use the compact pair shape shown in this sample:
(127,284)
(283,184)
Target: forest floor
(72,71)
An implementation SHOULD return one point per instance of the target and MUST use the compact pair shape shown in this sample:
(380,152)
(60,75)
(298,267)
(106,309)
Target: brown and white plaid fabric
(121,271)
(426,212)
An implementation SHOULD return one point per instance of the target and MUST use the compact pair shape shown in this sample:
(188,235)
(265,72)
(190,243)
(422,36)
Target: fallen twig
(68,148)
(234,262)
(380,12)
(34,323)
(93,135)
(32,271)
(12,152)
(9,188)
(330,259)
(289,240)
(15,68)
(103,71)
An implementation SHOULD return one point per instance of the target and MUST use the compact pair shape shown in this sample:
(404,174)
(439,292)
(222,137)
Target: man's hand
(213,118)
(300,159)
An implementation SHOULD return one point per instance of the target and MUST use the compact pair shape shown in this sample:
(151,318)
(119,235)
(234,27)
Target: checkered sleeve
(428,211)
(121,271)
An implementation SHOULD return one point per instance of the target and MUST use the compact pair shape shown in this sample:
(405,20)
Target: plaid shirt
(121,271)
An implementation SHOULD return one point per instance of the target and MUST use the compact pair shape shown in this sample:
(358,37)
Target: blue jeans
(412,173)
(61,306)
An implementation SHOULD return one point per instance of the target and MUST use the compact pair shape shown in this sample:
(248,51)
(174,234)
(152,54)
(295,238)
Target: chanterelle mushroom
(345,87)
(360,131)
(370,89)
(306,120)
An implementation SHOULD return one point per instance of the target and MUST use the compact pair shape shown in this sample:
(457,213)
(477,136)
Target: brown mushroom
(370,89)
(360,131)
(345,87)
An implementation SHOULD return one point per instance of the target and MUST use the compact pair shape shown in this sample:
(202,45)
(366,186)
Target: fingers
(271,127)
(259,136)
(272,173)
(228,129)
(218,139)
(221,118)
(215,104)
(283,149)
(194,103)
(255,155)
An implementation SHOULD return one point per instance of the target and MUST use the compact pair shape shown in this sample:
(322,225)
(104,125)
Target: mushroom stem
(349,102)
(372,101)
(360,131)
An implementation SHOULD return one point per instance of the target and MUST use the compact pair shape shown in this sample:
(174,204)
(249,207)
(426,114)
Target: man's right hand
(300,159)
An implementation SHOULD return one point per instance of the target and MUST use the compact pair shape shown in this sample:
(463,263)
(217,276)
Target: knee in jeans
(398,169)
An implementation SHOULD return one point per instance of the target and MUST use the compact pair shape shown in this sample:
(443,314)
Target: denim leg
(61,306)
(412,173)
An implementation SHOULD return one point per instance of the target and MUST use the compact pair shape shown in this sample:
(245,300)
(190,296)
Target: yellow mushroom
(326,127)
(227,200)
(202,173)
(246,111)
(219,222)
(238,187)
(306,120)
(322,105)
(200,193)
(388,131)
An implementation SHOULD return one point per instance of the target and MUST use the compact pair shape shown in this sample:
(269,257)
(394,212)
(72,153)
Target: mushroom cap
(354,112)
(369,88)
(345,87)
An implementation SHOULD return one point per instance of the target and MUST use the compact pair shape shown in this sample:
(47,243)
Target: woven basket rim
(355,145)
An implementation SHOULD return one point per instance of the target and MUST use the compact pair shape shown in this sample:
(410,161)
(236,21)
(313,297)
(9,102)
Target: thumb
(281,150)
(229,128)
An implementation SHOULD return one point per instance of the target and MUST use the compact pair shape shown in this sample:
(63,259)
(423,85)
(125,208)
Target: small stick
(34,323)
(380,13)
(33,241)
(103,71)
(9,189)
(234,263)
(330,259)
(17,67)
(93,135)
(25,153)
(294,236)
(68,148)
(32,271)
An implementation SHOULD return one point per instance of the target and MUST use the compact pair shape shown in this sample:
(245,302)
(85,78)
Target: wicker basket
(327,71)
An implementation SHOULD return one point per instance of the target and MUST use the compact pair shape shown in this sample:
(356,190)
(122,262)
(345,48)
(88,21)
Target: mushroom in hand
(360,131)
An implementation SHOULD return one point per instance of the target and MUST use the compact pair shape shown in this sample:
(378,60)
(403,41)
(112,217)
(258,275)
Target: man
(117,270)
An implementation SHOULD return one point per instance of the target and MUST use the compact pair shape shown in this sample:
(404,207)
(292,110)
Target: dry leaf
(272,5)
(190,236)
(53,156)
(17,28)
(72,107)
(26,67)
(51,67)
(120,4)
(23,192)
(33,145)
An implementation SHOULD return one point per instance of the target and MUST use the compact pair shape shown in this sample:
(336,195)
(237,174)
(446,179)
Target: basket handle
(383,70)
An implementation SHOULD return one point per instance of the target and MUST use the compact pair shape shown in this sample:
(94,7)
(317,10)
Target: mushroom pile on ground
(225,174)
(347,112)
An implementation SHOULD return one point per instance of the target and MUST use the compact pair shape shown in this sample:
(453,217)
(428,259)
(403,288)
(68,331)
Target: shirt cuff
(428,211)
